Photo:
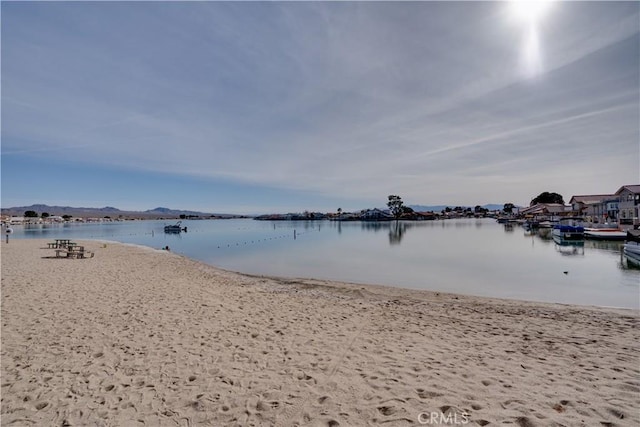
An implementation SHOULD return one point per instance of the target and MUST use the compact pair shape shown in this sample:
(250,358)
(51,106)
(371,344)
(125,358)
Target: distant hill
(178,212)
(80,212)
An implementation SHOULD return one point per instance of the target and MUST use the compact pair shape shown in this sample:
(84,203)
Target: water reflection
(545,233)
(396,231)
(569,248)
(374,225)
(578,248)
(606,245)
(628,264)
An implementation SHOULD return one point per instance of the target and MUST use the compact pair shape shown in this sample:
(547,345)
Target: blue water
(471,256)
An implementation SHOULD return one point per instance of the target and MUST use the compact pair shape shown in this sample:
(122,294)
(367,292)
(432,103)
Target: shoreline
(388,289)
(138,334)
(505,268)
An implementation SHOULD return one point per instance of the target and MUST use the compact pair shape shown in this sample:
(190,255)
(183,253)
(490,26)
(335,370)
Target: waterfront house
(585,204)
(545,210)
(15,220)
(629,204)
(375,215)
(596,207)
(610,209)
(425,216)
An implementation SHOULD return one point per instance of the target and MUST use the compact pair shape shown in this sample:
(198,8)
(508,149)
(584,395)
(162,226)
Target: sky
(259,107)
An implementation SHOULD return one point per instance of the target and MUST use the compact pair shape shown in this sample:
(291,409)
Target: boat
(569,229)
(631,248)
(604,233)
(176,228)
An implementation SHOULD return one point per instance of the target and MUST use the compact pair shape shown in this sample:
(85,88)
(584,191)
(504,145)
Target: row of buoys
(262,240)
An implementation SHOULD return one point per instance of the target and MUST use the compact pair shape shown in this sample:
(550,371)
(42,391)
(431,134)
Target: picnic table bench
(61,243)
(63,253)
(74,251)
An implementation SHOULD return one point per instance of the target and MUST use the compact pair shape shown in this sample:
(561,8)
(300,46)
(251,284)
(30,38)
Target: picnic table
(73,251)
(60,243)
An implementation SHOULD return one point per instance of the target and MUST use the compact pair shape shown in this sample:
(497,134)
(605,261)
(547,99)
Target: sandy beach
(136,336)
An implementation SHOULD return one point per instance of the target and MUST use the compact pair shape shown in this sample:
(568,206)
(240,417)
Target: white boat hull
(632,251)
(604,234)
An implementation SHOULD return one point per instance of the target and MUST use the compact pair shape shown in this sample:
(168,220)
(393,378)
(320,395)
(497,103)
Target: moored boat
(569,229)
(631,248)
(602,233)
(176,228)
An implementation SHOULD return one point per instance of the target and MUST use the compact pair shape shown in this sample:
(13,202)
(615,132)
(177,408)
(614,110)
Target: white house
(629,204)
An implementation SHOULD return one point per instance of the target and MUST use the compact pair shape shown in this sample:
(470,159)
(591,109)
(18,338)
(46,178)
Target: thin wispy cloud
(348,100)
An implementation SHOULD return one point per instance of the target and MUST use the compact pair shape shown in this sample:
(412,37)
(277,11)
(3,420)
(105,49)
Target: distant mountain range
(168,213)
(110,211)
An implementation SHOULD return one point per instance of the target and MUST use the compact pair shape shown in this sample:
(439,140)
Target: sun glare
(530,13)
(529,10)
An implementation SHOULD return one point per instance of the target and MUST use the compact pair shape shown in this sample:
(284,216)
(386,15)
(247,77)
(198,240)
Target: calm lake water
(470,256)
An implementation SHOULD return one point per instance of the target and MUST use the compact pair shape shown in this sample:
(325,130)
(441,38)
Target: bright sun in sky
(530,12)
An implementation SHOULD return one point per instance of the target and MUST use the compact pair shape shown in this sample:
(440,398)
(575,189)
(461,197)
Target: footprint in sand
(524,422)
(425,394)
(616,413)
(322,399)
(387,410)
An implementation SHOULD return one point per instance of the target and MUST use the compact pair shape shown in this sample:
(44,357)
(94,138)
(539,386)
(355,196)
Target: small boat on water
(569,229)
(176,228)
(631,248)
(604,233)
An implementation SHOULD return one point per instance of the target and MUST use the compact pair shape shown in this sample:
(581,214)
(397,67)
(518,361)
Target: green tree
(395,205)
(66,217)
(31,214)
(508,207)
(45,215)
(547,197)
